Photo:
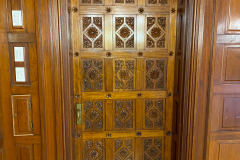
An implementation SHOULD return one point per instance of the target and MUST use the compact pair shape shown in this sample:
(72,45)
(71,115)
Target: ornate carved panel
(157,32)
(124,74)
(153,149)
(124,149)
(124,114)
(125,2)
(92,32)
(93,115)
(93,71)
(155,74)
(157,2)
(154,114)
(94,149)
(125,32)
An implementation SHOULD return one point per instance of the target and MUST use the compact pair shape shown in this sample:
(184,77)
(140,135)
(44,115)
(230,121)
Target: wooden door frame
(55,88)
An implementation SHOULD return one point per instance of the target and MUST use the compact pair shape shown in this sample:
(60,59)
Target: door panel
(123,77)
(225,113)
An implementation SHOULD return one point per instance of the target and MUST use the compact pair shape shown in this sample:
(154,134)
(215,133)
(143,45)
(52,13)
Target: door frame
(55,59)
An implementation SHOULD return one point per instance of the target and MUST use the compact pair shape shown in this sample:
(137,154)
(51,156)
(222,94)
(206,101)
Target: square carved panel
(92,30)
(124,114)
(93,113)
(93,74)
(157,32)
(124,149)
(153,148)
(92,2)
(94,149)
(124,29)
(154,114)
(155,74)
(157,2)
(124,74)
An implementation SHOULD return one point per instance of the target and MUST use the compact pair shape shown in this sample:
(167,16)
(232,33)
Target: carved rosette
(155,74)
(92,30)
(124,74)
(124,32)
(124,117)
(124,149)
(94,150)
(154,114)
(93,115)
(93,75)
(156,32)
(153,149)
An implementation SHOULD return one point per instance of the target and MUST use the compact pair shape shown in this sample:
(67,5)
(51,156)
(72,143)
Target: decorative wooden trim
(198,64)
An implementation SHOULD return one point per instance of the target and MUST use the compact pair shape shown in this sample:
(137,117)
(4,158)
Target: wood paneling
(22,115)
(123,62)
(225,102)
(24,151)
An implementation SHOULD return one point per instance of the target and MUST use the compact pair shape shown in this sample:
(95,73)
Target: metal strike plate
(79,113)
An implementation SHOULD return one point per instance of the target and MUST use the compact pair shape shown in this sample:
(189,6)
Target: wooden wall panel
(20,98)
(225,102)
(24,151)
(22,114)
(233,22)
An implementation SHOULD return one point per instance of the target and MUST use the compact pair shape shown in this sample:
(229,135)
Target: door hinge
(30,105)
(31,125)
(79,113)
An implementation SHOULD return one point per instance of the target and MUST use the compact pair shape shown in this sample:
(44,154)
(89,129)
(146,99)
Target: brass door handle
(79,113)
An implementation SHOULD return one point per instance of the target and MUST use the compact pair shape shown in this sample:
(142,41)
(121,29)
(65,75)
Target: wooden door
(225,108)
(123,78)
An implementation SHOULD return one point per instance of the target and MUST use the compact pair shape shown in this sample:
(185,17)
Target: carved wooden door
(123,78)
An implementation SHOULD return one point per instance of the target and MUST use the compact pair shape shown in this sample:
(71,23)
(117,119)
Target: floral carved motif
(154,114)
(153,149)
(124,74)
(93,75)
(124,149)
(124,32)
(156,32)
(94,150)
(124,114)
(155,75)
(93,115)
(92,32)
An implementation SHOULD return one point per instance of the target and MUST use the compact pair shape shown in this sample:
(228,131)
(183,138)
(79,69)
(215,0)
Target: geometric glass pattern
(156,32)
(155,74)
(153,149)
(124,76)
(93,115)
(124,114)
(92,32)
(154,114)
(124,32)
(124,149)
(93,75)
(94,150)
